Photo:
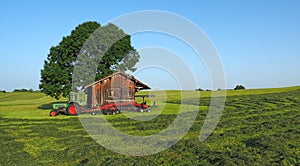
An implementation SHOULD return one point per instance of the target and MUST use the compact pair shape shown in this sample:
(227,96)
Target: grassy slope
(257,126)
(24,105)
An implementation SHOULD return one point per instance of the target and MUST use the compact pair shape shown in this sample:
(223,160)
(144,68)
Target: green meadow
(257,127)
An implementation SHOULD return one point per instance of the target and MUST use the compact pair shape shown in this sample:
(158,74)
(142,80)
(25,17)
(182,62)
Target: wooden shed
(118,87)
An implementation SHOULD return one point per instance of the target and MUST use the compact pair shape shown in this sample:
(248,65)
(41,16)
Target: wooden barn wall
(117,87)
(104,87)
(120,87)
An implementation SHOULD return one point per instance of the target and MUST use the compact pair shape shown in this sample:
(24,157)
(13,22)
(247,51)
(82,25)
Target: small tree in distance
(239,87)
(199,89)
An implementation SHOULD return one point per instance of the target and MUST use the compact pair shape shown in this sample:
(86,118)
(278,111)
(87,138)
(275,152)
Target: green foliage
(108,49)
(258,127)
(87,38)
(239,87)
(56,76)
(199,89)
(22,90)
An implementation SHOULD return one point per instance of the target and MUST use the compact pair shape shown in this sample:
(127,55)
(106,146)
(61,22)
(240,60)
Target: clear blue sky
(258,41)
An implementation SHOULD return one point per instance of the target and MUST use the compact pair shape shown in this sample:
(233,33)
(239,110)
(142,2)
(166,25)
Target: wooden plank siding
(118,87)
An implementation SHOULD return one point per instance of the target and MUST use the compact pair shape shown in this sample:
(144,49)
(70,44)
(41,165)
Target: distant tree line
(199,89)
(21,90)
(25,90)
(238,87)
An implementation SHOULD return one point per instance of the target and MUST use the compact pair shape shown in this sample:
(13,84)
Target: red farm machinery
(110,95)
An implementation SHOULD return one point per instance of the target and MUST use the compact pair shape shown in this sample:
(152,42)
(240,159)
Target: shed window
(114,92)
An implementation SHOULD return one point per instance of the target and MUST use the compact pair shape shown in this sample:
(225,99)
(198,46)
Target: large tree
(106,48)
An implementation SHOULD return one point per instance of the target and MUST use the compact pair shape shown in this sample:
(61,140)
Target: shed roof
(140,85)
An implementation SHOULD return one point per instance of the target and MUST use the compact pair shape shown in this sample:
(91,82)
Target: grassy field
(258,127)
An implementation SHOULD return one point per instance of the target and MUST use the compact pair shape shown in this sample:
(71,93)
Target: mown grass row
(256,128)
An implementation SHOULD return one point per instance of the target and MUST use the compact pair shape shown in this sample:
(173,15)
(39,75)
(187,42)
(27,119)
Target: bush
(199,89)
(239,87)
(23,90)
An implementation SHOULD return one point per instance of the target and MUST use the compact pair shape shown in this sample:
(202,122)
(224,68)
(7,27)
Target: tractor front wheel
(53,113)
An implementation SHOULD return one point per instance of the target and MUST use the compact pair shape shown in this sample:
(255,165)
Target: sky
(257,41)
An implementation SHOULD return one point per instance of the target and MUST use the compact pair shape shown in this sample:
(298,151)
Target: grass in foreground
(257,127)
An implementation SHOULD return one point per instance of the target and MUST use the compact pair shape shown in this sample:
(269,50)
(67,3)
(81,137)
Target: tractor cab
(79,98)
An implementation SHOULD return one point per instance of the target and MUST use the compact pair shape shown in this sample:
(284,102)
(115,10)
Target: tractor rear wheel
(73,109)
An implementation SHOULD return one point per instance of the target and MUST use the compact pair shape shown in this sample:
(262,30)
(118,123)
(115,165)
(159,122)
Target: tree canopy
(239,87)
(102,50)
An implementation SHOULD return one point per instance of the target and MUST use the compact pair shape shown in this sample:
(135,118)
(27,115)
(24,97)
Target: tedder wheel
(104,112)
(109,112)
(138,109)
(53,113)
